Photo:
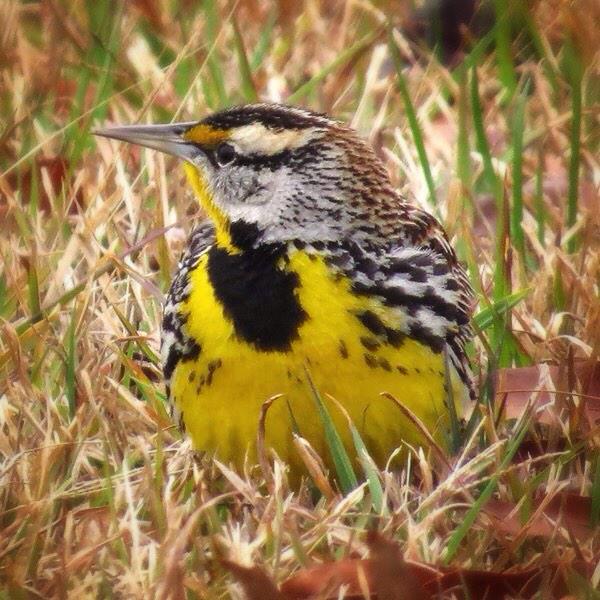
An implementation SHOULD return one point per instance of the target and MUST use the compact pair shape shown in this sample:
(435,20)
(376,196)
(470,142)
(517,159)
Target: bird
(310,275)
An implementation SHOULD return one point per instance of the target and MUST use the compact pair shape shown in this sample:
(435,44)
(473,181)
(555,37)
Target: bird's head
(268,173)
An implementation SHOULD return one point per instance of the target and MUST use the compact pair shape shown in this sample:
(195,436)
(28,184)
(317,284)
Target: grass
(100,496)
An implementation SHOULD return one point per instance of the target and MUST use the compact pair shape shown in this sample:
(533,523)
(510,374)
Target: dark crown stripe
(274,116)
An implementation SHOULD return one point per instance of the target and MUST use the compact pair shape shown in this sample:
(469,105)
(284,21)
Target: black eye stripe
(304,157)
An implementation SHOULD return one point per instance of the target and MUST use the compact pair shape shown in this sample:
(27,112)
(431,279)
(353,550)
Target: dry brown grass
(99,495)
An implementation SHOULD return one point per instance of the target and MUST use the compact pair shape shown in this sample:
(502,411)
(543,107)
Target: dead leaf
(516,388)
(257,584)
(328,577)
(566,510)
(392,577)
(386,576)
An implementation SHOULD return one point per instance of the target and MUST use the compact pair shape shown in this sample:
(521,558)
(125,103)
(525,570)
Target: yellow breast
(220,392)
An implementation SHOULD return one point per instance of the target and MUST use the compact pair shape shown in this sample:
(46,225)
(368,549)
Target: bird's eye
(225,154)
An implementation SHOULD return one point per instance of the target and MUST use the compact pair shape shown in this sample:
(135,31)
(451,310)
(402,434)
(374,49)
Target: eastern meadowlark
(310,265)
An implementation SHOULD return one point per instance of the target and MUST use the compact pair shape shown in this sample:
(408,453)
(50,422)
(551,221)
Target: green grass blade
(542,51)
(264,42)
(506,69)
(70,366)
(559,294)
(7,300)
(293,420)
(477,53)
(501,288)
(343,466)
(367,464)
(486,317)
(463,159)
(413,121)
(369,468)
(33,284)
(455,437)
(491,179)
(516,214)
(370,472)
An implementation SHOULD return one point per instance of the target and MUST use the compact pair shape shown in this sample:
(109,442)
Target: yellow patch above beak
(205,135)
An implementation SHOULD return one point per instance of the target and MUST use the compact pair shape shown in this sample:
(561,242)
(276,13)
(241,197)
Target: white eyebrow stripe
(258,139)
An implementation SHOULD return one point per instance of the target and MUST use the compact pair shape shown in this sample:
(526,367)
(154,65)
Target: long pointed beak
(164,138)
